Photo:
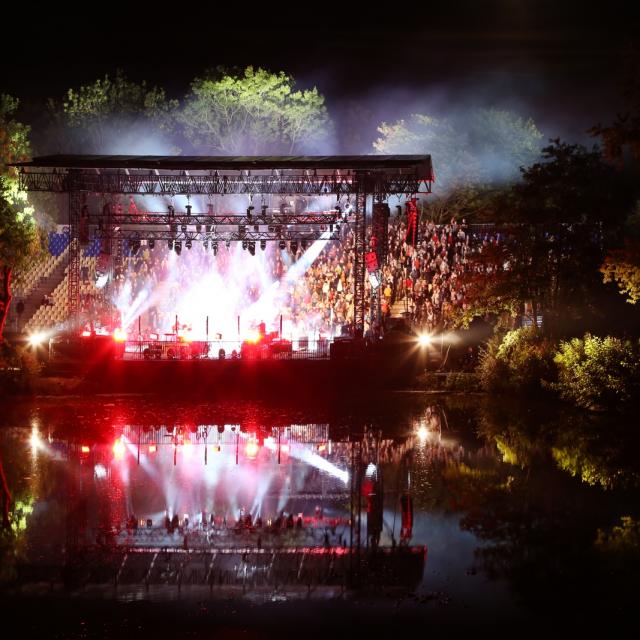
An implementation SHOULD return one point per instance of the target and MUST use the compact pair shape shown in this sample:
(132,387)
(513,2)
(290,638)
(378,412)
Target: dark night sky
(558,61)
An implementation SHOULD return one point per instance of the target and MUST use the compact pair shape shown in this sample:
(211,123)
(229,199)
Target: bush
(19,368)
(598,373)
(517,362)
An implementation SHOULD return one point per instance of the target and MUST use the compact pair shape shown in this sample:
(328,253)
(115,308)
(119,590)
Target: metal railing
(224,350)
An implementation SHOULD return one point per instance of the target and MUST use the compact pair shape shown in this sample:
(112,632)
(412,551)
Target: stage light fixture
(303,244)
(263,244)
(188,243)
(205,244)
(294,246)
(242,229)
(152,244)
(214,246)
(264,212)
(227,244)
(178,247)
(244,244)
(252,248)
(198,228)
(271,228)
(249,210)
(256,228)
(183,228)
(188,208)
(282,244)
(207,228)
(172,211)
(169,244)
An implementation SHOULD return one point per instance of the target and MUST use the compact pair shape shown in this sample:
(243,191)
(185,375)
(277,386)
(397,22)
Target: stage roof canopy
(420,164)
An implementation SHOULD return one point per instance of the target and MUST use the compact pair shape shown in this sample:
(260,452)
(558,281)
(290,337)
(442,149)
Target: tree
(19,237)
(622,266)
(252,112)
(481,146)
(598,372)
(112,114)
(571,183)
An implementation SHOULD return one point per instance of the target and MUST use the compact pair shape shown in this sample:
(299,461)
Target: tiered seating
(51,315)
(58,242)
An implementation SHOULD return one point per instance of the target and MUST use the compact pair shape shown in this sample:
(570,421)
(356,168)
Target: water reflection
(129,499)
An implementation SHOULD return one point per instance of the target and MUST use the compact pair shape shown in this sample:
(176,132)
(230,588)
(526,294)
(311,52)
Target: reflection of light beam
(314,460)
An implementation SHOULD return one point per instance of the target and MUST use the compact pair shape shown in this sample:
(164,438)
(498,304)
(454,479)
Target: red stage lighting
(153,336)
(85,449)
(119,335)
(85,334)
(152,448)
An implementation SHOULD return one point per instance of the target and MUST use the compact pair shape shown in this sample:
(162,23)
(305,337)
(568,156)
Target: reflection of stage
(246,569)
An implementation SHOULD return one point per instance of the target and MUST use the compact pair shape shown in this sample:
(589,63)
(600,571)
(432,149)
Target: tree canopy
(111,114)
(19,236)
(482,146)
(253,112)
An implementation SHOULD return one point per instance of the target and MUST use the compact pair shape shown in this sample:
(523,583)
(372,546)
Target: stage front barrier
(224,350)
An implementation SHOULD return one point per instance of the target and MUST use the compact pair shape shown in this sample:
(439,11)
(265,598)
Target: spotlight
(242,229)
(214,246)
(424,340)
(271,228)
(256,227)
(172,211)
(188,243)
(178,247)
(244,244)
(207,228)
(205,244)
(36,339)
(264,212)
(282,244)
(227,244)
(347,209)
(263,244)
(252,248)
(169,244)
(183,228)
(152,244)
(294,246)
(188,208)
(249,210)
(303,244)
(338,209)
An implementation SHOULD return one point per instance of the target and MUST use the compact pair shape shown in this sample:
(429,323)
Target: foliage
(622,266)
(19,368)
(92,117)
(624,132)
(20,241)
(481,146)
(14,147)
(252,112)
(598,373)
(517,362)
(572,184)
(623,538)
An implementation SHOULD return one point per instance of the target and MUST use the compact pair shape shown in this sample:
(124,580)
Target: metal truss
(134,235)
(152,218)
(73,290)
(359,271)
(138,182)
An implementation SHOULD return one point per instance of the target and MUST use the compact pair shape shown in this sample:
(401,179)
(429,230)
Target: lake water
(448,508)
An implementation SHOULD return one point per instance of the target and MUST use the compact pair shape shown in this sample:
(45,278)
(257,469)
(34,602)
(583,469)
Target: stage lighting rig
(188,243)
(283,245)
(252,248)
(188,208)
(263,244)
(294,246)
(249,210)
(177,245)
(214,246)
